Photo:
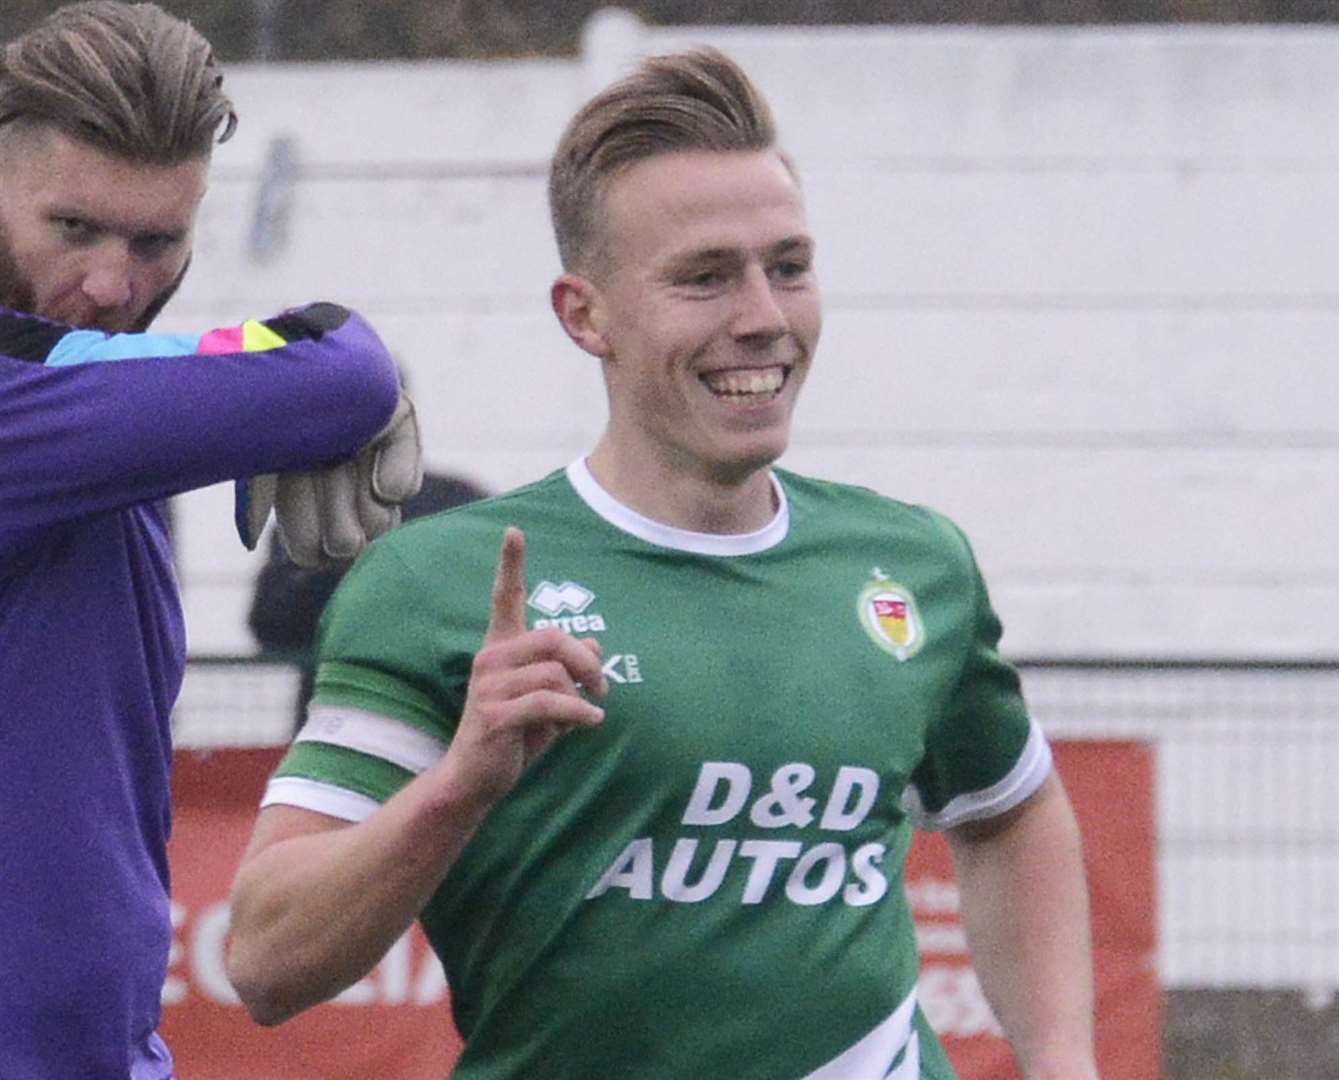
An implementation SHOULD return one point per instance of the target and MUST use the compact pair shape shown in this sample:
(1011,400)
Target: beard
(17,292)
(160,301)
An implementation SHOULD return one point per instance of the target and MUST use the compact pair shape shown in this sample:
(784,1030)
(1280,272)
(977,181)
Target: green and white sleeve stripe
(1031,768)
(345,762)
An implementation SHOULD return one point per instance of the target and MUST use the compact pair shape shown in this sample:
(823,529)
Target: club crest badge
(889,615)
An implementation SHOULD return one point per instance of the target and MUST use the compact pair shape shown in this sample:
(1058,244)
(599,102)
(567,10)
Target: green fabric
(790,937)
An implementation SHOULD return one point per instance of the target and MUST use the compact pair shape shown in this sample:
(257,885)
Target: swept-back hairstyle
(694,100)
(128,79)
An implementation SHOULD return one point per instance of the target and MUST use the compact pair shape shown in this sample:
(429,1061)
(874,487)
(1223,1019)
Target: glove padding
(253,500)
(330,515)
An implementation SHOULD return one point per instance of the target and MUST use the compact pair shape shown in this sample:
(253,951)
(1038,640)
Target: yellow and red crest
(888,613)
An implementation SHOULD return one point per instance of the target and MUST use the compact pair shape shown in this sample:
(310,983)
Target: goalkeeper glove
(329,515)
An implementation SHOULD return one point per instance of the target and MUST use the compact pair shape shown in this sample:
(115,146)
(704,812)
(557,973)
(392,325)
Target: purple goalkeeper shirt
(92,645)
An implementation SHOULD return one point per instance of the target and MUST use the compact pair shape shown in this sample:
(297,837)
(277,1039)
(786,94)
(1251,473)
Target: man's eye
(73,228)
(703,279)
(791,269)
(153,245)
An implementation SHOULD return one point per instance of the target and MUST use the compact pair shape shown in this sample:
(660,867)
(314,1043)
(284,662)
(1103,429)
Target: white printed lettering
(873,885)
(765,855)
(204,956)
(430,987)
(573,624)
(395,968)
(933,896)
(363,992)
(207,971)
(783,806)
(631,673)
(674,884)
(833,858)
(954,1003)
(941,939)
(174,986)
(632,870)
(611,671)
(850,778)
(738,780)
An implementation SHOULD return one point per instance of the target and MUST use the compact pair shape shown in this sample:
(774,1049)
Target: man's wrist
(1064,1067)
(452,797)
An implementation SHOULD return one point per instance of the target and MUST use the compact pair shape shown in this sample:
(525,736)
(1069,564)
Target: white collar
(655,532)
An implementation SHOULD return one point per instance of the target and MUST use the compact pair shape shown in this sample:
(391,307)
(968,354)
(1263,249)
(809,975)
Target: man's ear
(578,304)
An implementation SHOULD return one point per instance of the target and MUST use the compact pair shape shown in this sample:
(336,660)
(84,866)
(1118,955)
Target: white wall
(1082,294)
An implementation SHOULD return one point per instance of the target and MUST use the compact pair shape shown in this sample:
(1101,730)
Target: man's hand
(318,901)
(329,515)
(526,689)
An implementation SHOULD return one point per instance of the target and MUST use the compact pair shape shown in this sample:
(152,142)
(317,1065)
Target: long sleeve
(170,414)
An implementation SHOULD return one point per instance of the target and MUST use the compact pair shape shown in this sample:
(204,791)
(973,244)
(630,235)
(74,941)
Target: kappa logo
(890,617)
(565,607)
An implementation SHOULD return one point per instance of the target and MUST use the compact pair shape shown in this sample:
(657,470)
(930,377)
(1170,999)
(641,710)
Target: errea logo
(554,599)
(564,607)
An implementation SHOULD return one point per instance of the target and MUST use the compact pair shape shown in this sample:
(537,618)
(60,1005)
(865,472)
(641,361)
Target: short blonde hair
(128,79)
(694,100)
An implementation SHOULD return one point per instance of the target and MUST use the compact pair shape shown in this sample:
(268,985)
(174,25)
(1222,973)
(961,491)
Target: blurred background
(324,30)
(1081,272)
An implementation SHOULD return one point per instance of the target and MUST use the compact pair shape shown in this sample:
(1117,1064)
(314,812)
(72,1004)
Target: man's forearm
(316,903)
(1025,908)
(314,911)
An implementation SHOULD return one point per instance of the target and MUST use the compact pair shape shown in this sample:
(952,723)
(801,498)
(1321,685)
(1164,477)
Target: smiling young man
(108,116)
(650,795)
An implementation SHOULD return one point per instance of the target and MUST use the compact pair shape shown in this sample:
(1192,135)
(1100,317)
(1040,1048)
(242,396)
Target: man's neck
(683,500)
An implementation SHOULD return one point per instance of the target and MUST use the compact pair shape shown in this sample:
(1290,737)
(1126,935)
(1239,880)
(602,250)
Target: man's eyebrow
(709,254)
(724,253)
(800,242)
(696,258)
(60,211)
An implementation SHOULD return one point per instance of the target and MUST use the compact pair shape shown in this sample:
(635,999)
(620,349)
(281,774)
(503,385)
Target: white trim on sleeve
(377,736)
(327,799)
(1031,768)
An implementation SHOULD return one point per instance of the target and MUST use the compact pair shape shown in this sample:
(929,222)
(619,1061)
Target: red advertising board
(1111,786)
(395,1023)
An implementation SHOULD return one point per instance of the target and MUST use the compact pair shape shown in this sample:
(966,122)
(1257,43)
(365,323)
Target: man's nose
(759,315)
(107,277)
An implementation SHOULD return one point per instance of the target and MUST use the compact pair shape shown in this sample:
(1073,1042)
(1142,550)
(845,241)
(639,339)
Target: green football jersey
(709,884)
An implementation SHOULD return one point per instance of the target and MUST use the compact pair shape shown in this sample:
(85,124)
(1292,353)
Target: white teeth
(744,381)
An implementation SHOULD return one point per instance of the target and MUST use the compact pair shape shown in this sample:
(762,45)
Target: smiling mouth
(746,384)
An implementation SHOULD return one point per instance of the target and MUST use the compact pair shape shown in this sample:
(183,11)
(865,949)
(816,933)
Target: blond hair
(694,100)
(128,79)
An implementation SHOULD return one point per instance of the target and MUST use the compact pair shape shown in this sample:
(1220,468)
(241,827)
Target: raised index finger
(508,617)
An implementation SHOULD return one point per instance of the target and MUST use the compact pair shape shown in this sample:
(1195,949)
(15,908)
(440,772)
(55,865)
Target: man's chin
(127,322)
(160,301)
(17,294)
